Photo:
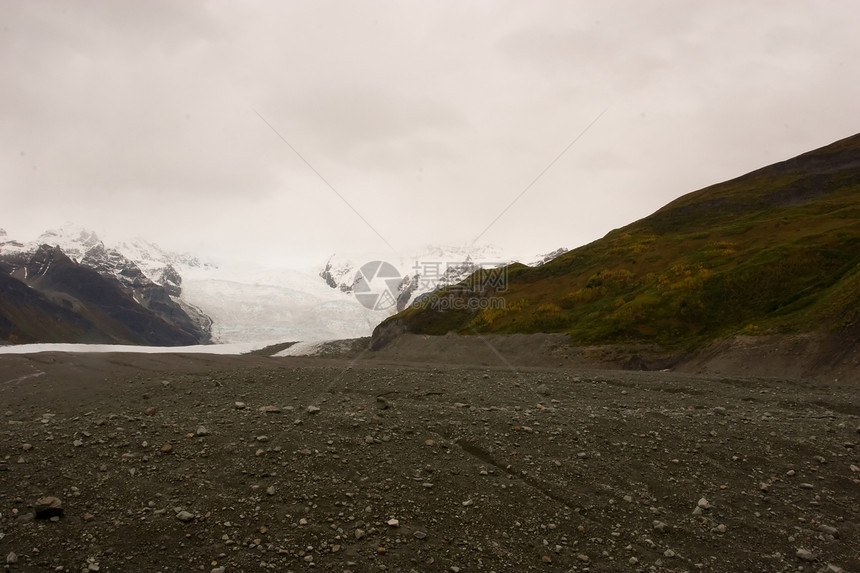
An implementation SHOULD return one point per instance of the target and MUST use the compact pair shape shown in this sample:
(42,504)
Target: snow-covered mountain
(232,301)
(85,247)
(157,292)
(423,270)
(239,302)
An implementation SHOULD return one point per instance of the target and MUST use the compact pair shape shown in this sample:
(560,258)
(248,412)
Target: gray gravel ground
(253,464)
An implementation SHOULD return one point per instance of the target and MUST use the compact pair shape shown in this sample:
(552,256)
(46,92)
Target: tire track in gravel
(483,455)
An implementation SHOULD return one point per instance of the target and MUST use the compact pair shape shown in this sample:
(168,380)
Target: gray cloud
(429,118)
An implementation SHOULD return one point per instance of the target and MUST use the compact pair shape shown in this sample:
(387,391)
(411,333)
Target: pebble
(393,522)
(270,409)
(202,431)
(166,448)
(419,535)
(805,555)
(185,516)
(542,389)
(48,507)
(239,405)
(11,558)
(313,409)
(661,526)
(806,486)
(704,503)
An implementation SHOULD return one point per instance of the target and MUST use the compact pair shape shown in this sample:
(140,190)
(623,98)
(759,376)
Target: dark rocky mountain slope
(48,297)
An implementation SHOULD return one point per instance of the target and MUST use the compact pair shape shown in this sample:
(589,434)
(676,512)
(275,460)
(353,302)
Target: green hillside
(776,250)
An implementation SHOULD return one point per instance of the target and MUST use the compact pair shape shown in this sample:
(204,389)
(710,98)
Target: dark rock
(48,507)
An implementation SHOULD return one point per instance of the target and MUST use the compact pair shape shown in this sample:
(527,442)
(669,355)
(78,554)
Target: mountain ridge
(774,251)
(109,292)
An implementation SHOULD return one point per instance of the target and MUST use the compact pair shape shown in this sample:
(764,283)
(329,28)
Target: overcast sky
(427,118)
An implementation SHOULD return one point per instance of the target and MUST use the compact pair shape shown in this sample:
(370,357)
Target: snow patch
(305,348)
(233,349)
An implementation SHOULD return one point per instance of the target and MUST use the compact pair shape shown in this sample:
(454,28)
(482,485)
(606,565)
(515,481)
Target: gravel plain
(253,463)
